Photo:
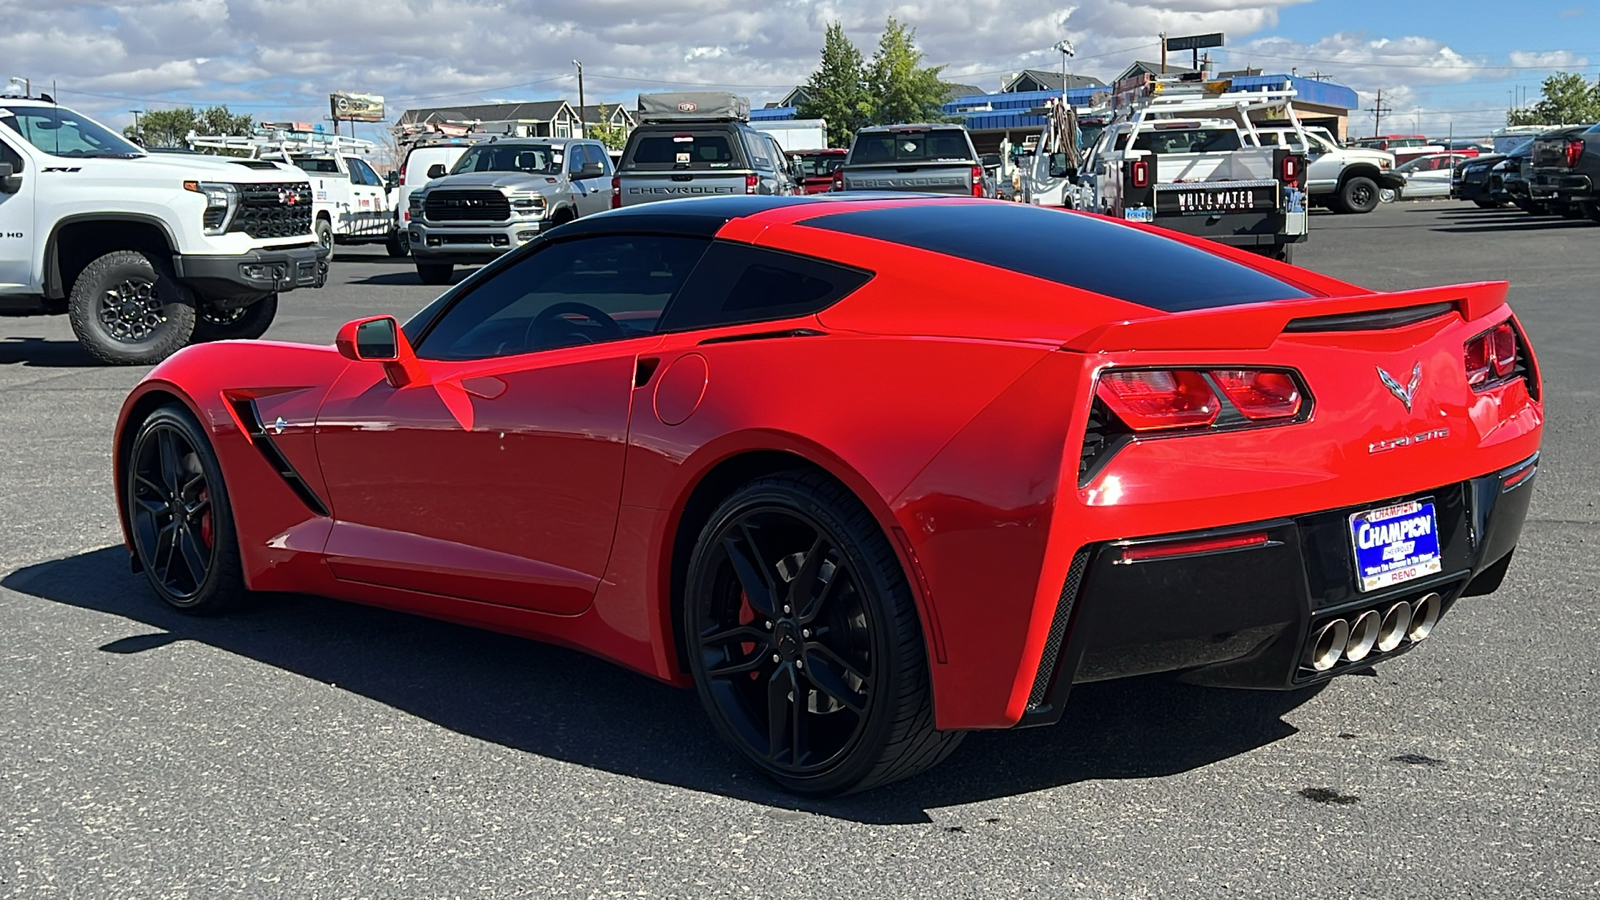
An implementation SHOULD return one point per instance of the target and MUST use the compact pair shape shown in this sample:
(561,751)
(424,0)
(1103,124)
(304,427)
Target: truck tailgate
(953,179)
(643,187)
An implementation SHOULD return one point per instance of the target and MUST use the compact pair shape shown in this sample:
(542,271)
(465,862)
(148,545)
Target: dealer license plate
(1395,544)
(1210,201)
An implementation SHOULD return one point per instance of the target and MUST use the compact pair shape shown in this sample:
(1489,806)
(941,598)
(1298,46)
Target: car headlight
(526,205)
(415,200)
(222,203)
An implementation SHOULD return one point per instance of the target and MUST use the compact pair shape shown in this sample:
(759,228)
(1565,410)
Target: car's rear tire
(1488,204)
(127,308)
(1566,210)
(804,640)
(324,233)
(1532,208)
(179,517)
(243,324)
(435,273)
(398,246)
(1357,195)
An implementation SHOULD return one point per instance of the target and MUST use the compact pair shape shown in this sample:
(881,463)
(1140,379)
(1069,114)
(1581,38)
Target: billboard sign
(356,107)
(1195,41)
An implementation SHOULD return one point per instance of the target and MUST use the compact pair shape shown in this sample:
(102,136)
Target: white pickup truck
(144,253)
(1194,163)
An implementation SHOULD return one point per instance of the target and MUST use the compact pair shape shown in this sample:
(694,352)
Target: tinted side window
(11,156)
(583,291)
(760,151)
(737,283)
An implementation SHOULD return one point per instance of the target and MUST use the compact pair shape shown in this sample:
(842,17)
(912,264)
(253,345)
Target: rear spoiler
(1255,326)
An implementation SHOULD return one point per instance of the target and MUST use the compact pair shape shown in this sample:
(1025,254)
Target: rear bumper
(1549,186)
(1242,618)
(253,274)
(1235,229)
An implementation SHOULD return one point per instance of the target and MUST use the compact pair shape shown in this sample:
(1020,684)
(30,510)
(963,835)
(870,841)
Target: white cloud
(279,58)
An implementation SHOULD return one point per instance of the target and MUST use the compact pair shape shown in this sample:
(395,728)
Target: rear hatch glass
(1188,140)
(910,146)
(688,150)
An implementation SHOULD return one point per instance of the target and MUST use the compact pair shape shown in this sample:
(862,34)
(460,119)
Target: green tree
(169,127)
(613,136)
(1569,99)
(903,90)
(837,90)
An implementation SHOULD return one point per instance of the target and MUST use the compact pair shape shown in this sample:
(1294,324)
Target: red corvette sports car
(866,472)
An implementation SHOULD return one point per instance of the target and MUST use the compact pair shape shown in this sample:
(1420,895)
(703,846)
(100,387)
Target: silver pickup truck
(698,145)
(931,159)
(499,195)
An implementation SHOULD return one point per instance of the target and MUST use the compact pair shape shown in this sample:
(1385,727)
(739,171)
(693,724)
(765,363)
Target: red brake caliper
(205,519)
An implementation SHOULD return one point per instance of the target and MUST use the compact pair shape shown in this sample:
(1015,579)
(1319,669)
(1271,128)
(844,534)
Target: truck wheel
(127,309)
(1358,195)
(398,245)
(1591,209)
(1532,208)
(1566,210)
(1488,204)
(324,232)
(435,273)
(243,324)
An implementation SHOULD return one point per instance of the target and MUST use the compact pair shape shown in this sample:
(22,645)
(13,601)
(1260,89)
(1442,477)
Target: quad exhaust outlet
(1382,630)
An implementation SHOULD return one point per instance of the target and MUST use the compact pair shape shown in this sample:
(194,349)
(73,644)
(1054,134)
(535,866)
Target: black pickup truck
(931,159)
(1566,172)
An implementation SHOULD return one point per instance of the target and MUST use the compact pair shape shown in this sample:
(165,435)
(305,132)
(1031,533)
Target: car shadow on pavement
(44,353)
(1525,223)
(408,278)
(568,706)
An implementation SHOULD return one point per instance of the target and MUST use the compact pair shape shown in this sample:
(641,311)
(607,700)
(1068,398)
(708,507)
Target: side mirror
(379,339)
(989,160)
(10,181)
(591,170)
(1059,168)
(436,170)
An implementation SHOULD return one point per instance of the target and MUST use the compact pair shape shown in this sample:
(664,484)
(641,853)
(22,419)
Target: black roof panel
(1076,250)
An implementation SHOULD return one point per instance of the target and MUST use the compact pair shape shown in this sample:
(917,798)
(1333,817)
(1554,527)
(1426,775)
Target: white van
(414,172)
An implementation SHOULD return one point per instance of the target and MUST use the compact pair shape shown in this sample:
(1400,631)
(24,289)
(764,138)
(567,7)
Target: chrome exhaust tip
(1424,616)
(1363,635)
(1328,645)
(1396,621)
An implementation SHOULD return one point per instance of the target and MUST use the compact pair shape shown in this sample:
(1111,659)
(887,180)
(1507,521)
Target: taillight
(977,181)
(402,174)
(838,180)
(616,192)
(1574,152)
(750,182)
(1157,399)
(1141,173)
(1492,356)
(1291,170)
(1260,395)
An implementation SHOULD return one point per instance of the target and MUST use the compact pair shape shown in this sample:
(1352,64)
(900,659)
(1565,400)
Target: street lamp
(583,127)
(138,133)
(1064,47)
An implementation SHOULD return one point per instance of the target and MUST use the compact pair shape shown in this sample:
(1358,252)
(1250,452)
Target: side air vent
(251,417)
(1376,320)
(1102,438)
(1056,640)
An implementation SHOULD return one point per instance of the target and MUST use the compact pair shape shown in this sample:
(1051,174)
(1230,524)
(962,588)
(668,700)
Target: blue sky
(1440,65)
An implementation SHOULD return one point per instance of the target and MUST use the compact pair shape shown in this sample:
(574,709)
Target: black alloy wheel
(127,308)
(324,232)
(244,323)
(804,640)
(1359,195)
(178,515)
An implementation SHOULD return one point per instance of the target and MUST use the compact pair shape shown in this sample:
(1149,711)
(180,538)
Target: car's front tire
(127,308)
(243,324)
(804,640)
(179,516)
(1357,195)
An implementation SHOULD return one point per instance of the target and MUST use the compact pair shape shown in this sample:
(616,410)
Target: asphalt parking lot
(313,749)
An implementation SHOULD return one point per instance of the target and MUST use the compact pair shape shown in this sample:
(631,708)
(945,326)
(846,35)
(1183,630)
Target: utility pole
(1163,53)
(1378,109)
(138,133)
(583,129)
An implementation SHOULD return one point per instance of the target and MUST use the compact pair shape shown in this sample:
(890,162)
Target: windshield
(539,159)
(910,146)
(317,165)
(1188,140)
(59,131)
(820,166)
